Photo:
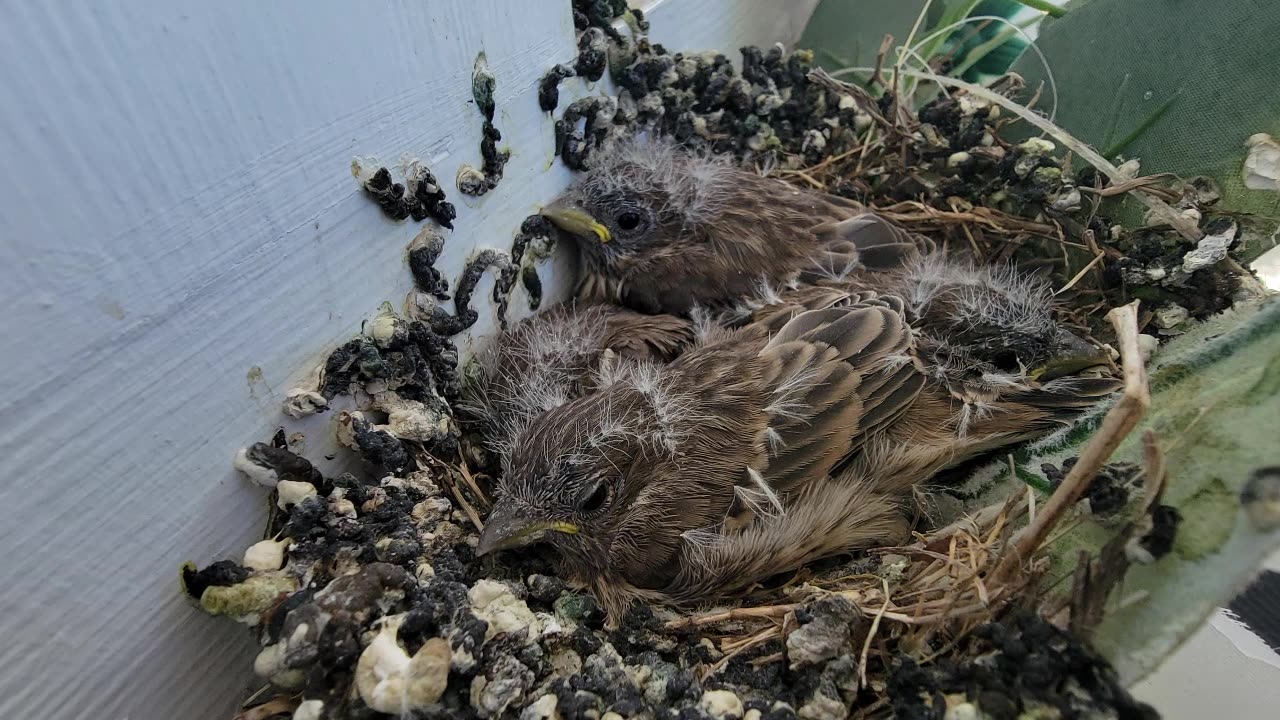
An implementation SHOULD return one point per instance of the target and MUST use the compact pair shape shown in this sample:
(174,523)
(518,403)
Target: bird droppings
(219,574)
(593,55)
(350,612)
(245,601)
(309,710)
(532,283)
(600,14)
(1017,668)
(549,86)
(268,465)
(496,604)
(472,181)
(419,196)
(292,492)
(465,316)
(1159,538)
(533,244)
(1109,493)
(423,253)
(301,402)
(721,705)
(266,555)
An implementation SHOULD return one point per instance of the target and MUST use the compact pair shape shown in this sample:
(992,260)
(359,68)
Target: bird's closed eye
(1006,360)
(594,498)
(628,220)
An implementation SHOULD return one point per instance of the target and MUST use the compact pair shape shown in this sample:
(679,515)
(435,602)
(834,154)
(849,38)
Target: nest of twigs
(965,620)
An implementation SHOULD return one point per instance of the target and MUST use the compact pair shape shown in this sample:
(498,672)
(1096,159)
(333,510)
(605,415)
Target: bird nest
(369,599)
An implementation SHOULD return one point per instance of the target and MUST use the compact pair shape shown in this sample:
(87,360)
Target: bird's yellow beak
(576,221)
(505,529)
(1073,355)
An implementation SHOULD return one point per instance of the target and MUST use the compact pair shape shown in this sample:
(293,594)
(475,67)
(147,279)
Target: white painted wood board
(182,240)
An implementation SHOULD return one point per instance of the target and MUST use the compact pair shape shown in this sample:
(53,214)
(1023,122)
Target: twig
(471,483)
(885,44)
(429,459)
(1117,424)
(1083,271)
(1153,471)
(866,645)
(825,163)
(740,647)
(1031,503)
(769,611)
(1147,182)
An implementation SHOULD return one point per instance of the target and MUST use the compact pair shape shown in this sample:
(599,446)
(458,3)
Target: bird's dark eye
(594,499)
(1006,360)
(629,220)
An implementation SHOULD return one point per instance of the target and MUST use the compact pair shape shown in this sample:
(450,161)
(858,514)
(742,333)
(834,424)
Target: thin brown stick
(768,611)
(866,645)
(885,44)
(1153,471)
(1116,426)
(825,163)
(809,179)
(1146,182)
(471,483)
(741,646)
(449,480)
(1083,271)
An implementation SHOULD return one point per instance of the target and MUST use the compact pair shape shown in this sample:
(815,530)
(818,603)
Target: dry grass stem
(1116,426)
(1083,271)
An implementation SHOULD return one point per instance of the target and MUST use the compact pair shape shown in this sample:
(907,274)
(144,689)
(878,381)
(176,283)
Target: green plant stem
(1043,6)
(1117,147)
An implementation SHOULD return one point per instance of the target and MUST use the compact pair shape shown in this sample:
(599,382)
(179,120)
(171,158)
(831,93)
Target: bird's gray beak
(507,528)
(575,220)
(1073,355)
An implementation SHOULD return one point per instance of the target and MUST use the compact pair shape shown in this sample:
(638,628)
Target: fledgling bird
(796,435)
(662,229)
(1002,369)
(555,356)
(682,481)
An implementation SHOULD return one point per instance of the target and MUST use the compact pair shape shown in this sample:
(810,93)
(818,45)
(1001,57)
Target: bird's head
(642,194)
(997,315)
(575,476)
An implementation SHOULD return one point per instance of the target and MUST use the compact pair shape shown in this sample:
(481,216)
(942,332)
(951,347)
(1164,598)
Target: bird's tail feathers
(832,518)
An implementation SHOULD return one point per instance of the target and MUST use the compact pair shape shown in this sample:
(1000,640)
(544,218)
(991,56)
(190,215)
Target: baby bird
(552,357)
(661,229)
(1001,368)
(679,482)
(796,434)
